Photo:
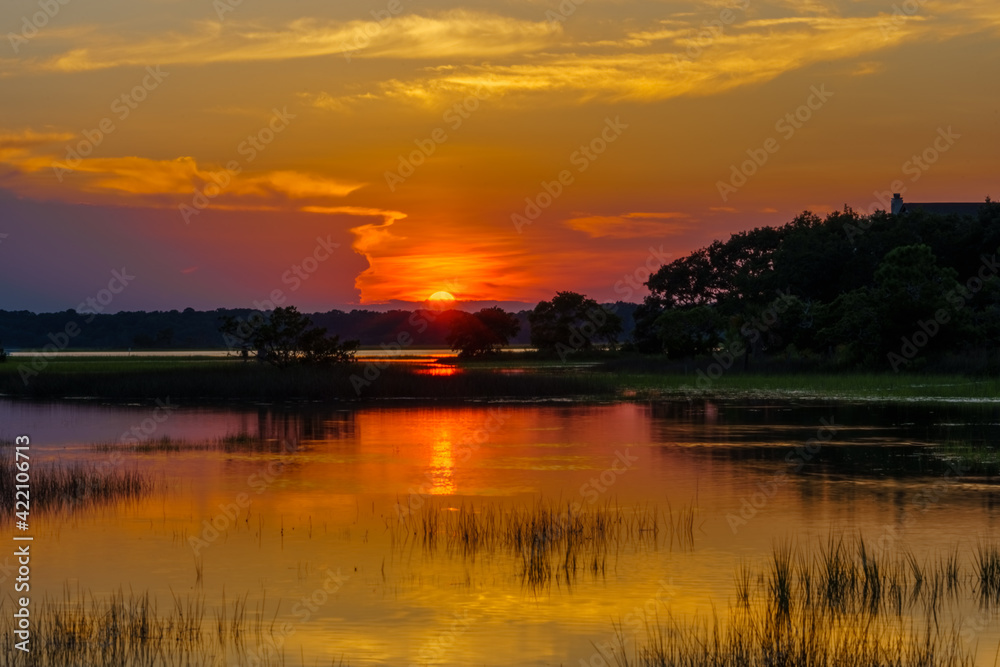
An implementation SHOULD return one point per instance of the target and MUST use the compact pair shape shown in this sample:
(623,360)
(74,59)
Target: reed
(872,607)
(234,442)
(126,630)
(69,487)
(986,559)
(546,539)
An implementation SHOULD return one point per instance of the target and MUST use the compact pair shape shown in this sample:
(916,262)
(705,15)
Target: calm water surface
(321,497)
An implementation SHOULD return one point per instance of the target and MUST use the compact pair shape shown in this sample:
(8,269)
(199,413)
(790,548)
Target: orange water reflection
(319,497)
(439,371)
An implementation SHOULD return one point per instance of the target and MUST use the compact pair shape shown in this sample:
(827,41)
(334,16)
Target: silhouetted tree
(686,332)
(482,333)
(284,337)
(863,286)
(571,322)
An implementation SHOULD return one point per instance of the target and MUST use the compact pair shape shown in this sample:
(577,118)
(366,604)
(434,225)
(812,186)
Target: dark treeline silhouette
(881,291)
(199,330)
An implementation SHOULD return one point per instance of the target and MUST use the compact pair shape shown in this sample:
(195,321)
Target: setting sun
(441,296)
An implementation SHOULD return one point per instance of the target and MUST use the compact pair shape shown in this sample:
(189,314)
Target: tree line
(846,290)
(568,324)
(474,334)
(877,290)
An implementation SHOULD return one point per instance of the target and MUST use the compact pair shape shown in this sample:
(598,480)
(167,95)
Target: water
(306,519)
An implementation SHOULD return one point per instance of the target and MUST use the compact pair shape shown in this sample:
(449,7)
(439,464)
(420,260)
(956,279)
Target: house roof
(943,208)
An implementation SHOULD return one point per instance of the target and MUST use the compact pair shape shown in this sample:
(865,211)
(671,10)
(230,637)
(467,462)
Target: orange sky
(214,144)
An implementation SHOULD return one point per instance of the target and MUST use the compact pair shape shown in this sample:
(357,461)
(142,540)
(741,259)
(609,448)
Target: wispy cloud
(452,34)
(629,225)
(751,53)
(37,167)
(656,63)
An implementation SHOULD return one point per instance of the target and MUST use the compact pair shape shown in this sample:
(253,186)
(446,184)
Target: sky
(369,154)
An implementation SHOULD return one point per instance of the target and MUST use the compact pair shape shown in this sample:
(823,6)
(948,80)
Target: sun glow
(441,297)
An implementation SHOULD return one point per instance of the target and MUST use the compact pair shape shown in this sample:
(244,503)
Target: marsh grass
(67,487)
(139,378)
(843,603)
(971,458)
(987,563)
(643,380)
(234,442)
(547,541)
(800,639)
(128,629)
(234,380)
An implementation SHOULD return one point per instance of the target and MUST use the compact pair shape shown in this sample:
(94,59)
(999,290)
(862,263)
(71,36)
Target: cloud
(38,166)
(628,225)
(453,34)
(751,53)
(682,58)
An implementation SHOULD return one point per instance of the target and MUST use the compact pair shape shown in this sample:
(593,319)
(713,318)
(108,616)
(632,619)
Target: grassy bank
(137,378)
(512,377)
(858,386)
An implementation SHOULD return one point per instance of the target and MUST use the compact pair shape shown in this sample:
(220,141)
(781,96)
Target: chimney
(897,204)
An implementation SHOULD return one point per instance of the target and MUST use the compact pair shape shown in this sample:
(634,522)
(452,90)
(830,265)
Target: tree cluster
(857,289)
(285,337)
(572,322)
(483,333)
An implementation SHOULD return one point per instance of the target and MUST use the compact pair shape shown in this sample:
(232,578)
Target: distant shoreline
(506,378)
